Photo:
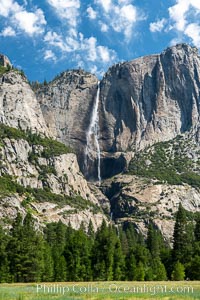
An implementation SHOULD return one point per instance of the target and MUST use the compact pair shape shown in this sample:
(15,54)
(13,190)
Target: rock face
(143,101)
(18,105)
(4,61)
(135,199)
(67,104)
(150,99)
(58,175)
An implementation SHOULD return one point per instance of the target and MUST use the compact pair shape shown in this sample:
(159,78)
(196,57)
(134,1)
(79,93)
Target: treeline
(61,253)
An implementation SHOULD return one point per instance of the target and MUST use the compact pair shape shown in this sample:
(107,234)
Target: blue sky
(45,37)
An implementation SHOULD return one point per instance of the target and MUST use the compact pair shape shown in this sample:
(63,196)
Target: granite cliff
(149,99)
(138,106)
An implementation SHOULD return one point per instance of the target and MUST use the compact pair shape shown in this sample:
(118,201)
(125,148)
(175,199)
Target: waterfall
(92,137)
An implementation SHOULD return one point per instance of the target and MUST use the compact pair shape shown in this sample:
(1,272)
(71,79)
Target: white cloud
(124,19)
(193,31)
(56,40)
(175,41)
(96,52)
(177,14)
(104,53)
(69,43)
(184,16)
(118,15)
(184,20)
(195,3)
(49,55)
(91,13)
(89,45)
(30,22)
(129,13)
(157,26)
(103,27)
(85,52)
(8,31)
(66,9)
(7,7)
(106,4)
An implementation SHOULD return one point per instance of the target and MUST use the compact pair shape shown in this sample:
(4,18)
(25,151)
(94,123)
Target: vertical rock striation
(67,104)
(19,107)
(143,101)
(150,99)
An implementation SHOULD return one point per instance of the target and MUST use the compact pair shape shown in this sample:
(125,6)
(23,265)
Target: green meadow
(165,290)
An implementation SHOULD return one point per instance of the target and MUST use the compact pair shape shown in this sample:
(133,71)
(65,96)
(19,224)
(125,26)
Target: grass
(184,290)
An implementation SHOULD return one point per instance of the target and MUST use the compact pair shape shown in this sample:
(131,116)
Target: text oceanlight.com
(112,288)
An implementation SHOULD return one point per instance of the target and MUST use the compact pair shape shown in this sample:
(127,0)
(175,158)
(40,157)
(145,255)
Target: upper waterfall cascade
(92,137)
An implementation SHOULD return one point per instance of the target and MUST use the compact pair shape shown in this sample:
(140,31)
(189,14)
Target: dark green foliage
(77,255)
(178,272)
(131,268)
(197,228)
(152,240)
(180,235)
(140,274)
(8,186)
(11,133)
(25,251)
(50,147)
(45,195)
(166,162)
(4,69)
(4,263)
(65,254)
(103,253)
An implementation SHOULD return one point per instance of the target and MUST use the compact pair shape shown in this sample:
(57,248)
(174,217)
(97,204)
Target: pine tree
(153,241)
(56,237)
(119,262)
(131,269)
(90,231)
(103,253)
(31,252)
(132,237)
(48,270)
(140,275)
(14,250)
(178,272)
(4,264)
(25,251)
(180,241)
(158,269)
(193,268)
(77,255)
(197,229)
(124,242)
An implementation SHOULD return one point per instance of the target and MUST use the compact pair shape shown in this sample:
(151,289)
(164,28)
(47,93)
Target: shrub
(50,147)
(168,163)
